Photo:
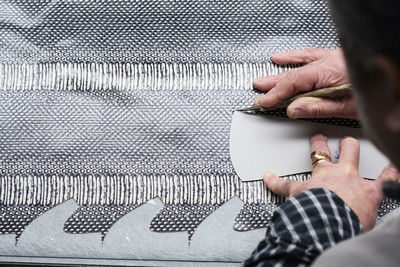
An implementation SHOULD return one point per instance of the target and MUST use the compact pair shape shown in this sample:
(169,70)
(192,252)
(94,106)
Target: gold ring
(318,156)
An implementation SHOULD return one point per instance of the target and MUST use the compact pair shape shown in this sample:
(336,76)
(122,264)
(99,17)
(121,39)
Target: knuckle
(315,109)
(372,189)
(295,189)
(340,106)
(281,75)
(350,141)
(292,75)
(274,93)
(308,53)
(349,169)
(275,185)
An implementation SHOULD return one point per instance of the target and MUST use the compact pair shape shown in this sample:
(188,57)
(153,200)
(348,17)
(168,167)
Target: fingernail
(257,102)
(276,55)
(268,175)
(298,109)
(344,137)
(392,168)
(258,81)
(391,172)
(293,112)
(320,135)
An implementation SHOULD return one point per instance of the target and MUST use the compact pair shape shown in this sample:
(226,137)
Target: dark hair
(367,28)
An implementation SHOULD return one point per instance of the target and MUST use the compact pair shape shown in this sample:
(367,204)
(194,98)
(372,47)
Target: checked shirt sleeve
(303,227)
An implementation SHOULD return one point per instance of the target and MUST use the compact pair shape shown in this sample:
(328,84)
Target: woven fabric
(114,103)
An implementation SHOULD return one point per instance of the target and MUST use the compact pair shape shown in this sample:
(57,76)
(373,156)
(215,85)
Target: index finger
(265,83)
(294,82)
(299,56)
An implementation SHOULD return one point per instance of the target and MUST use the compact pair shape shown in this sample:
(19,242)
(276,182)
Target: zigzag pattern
(114,103)
(103,200)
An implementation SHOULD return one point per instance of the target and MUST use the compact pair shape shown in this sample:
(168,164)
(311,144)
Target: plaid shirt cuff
(303,227)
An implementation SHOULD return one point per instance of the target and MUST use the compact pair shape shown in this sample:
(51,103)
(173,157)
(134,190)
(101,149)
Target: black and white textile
(108,107)
(303,227)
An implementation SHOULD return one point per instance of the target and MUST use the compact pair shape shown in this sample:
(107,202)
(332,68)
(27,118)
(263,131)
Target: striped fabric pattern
(303,227)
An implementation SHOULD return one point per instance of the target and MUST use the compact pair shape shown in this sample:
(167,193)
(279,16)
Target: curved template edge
(260,143)
(232,144)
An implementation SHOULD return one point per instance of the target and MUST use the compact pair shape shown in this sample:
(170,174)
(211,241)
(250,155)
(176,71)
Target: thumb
(277,185)
(389,174)
(315,107)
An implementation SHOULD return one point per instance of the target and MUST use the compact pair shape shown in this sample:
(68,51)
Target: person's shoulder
(378,247)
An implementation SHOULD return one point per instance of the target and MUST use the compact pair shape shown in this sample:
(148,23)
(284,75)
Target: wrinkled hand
(363,196)
(323,68)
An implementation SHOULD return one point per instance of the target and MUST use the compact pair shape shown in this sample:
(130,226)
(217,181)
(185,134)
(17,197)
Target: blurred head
(369,31)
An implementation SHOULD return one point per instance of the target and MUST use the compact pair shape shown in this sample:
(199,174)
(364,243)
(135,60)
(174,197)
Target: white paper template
(259,143)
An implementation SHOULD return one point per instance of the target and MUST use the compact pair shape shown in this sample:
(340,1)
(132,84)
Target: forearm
(303,227)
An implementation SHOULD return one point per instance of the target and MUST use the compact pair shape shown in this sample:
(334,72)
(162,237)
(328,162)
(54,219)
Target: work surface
(114,126)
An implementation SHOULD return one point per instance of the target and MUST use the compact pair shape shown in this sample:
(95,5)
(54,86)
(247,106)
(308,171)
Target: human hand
(362,196)
(323,68)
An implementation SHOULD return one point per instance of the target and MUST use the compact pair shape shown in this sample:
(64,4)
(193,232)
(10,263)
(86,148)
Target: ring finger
(319,144)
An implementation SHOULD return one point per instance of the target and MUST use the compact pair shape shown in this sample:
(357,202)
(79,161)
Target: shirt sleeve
(303,227)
